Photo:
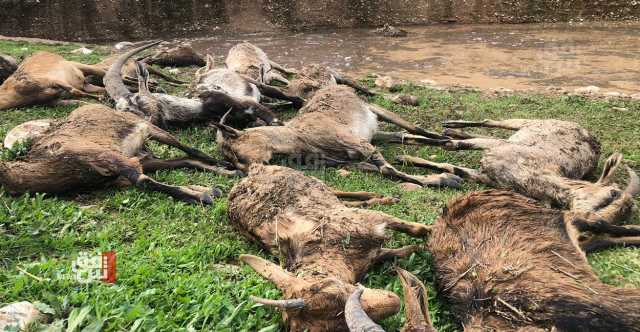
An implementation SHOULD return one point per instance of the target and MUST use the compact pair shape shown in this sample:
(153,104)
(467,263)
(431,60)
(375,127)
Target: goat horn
(357,319)
(113,79)
(633,188)
(271,271)
(282,304)
(416,306)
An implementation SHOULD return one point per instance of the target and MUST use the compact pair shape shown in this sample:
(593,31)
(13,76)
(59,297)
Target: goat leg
(411,228)
(214,100)
(88,70)
(512,124)
(459,134)
(405,138)
(474,144)
(603,227)
(165,77)
(364,199)
(188,194)
(608,242)
(90,88)
(348,81)
(404,252)
(163,137)
(151,164)
(276,93)
(436,180)
(282,69)
(462,172)
(402,123)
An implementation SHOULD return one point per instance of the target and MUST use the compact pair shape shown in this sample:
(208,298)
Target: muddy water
(518,57)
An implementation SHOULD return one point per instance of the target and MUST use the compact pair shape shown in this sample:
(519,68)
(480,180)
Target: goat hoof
(450,180)
(206,199)
(215,192)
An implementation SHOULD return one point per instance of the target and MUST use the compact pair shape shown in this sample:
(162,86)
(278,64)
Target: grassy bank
(177,263)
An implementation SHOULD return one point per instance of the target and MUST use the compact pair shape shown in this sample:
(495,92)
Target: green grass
(178,266)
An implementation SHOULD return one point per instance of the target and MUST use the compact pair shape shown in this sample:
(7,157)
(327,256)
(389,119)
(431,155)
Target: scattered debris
(82,50)
(387,82)
(405,100)
(17,316)
(587,90)
(390,31)
(408,186)
(343,173)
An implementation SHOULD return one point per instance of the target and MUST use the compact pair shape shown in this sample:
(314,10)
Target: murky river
(519,57)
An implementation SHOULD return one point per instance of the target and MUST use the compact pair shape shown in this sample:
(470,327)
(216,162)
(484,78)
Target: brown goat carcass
(326,246)
(46,78)
(179,56)
(334,128)
(505,263)
(546,160)
(249,60)
(96,146)
(166,110)
(8,65)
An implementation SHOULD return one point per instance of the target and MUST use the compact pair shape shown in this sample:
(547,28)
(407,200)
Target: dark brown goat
(546,160)
(326,246)
(336,128)
(96,146)
(505,263)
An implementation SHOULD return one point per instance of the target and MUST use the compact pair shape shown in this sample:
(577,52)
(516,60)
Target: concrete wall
(94,20)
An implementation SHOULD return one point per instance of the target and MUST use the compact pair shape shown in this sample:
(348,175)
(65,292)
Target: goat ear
(609,169)
(143,78)
(416,305)
(271,271)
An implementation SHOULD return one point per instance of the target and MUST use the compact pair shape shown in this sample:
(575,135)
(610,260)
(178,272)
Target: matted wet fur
(46,78)
(547,160)
(95,147)
(334,128)
(505,263)
(325,246)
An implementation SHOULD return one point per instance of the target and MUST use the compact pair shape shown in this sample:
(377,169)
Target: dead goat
(505,263)
(179,56)
(248,59)
(222,89)
(97,146)
(46,78)
(167,110)
(416,308)
(8,65)
(326,247)
(545,160)
(312,78)
(335,128)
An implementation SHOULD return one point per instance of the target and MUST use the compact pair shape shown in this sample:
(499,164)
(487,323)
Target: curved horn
(282,304)
(271,271)
(357,319)
(113,79)
(227,131)
(633,188)
(416,305)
